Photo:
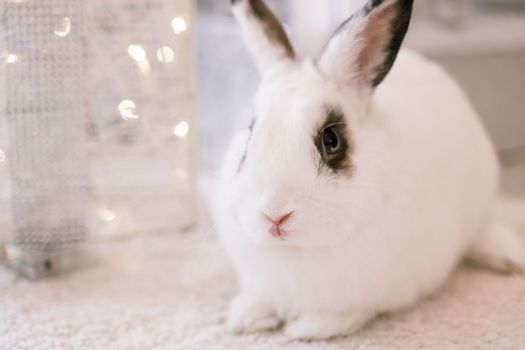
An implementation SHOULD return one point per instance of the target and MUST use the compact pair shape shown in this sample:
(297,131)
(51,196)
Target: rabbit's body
(325,238)
(440,172)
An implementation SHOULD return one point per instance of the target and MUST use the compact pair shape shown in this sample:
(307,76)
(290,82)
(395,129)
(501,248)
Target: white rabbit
(350,195)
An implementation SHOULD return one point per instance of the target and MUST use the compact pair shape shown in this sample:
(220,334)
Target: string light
(127,110)
(140,54)
(11,58)
(106,214)
(144,66)
(63,27)
(179,25)
(165,54)
(137,52)
(181,129)
(3,157)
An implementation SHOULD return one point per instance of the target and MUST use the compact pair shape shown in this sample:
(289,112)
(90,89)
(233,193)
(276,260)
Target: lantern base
(34,263)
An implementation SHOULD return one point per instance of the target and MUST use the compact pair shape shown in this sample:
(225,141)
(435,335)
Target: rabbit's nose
(278,219)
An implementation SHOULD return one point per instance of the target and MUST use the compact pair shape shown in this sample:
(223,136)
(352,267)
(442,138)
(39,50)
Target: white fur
(424,181)
(267,54)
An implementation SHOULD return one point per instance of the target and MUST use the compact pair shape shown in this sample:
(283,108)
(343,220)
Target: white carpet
(172,292)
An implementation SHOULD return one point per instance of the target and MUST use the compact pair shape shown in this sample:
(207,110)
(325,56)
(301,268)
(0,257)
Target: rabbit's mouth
(278,232)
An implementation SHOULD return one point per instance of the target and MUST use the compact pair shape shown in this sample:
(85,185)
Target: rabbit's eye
(331,141)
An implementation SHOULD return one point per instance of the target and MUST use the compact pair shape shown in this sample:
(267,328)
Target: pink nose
(280,219)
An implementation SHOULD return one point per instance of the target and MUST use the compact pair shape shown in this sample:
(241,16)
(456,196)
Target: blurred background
(113,112)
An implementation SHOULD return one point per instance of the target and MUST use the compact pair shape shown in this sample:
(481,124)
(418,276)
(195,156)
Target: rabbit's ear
(365,46)
(263,34)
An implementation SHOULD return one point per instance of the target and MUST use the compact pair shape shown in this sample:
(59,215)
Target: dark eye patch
(243,159)
(332,142)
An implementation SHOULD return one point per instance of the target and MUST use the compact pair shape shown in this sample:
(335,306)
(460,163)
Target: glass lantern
(97,114)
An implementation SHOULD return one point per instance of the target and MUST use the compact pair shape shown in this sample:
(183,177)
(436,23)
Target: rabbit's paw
(247,315)
(500,248)
(326,326)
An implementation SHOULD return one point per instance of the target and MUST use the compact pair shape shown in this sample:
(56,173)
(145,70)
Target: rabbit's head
(310,173)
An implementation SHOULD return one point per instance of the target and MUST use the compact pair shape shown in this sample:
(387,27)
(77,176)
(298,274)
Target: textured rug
(171,292)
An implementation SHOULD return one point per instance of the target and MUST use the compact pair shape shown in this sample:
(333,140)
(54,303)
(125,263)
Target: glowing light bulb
(11,58)
(127,110)
(3,157)
(181,129)
(63,27)
(179,25)
(106,214)
(165,54)
(144,67)
(137,52)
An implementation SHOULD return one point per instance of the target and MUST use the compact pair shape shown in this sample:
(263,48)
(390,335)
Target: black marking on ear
(369,6)
(243,158)
(270,24)
(340,161)
(388,20)
(364,12)
(261,10)
(398,28)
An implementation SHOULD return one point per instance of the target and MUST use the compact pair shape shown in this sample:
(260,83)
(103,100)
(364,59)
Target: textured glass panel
(97,105)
